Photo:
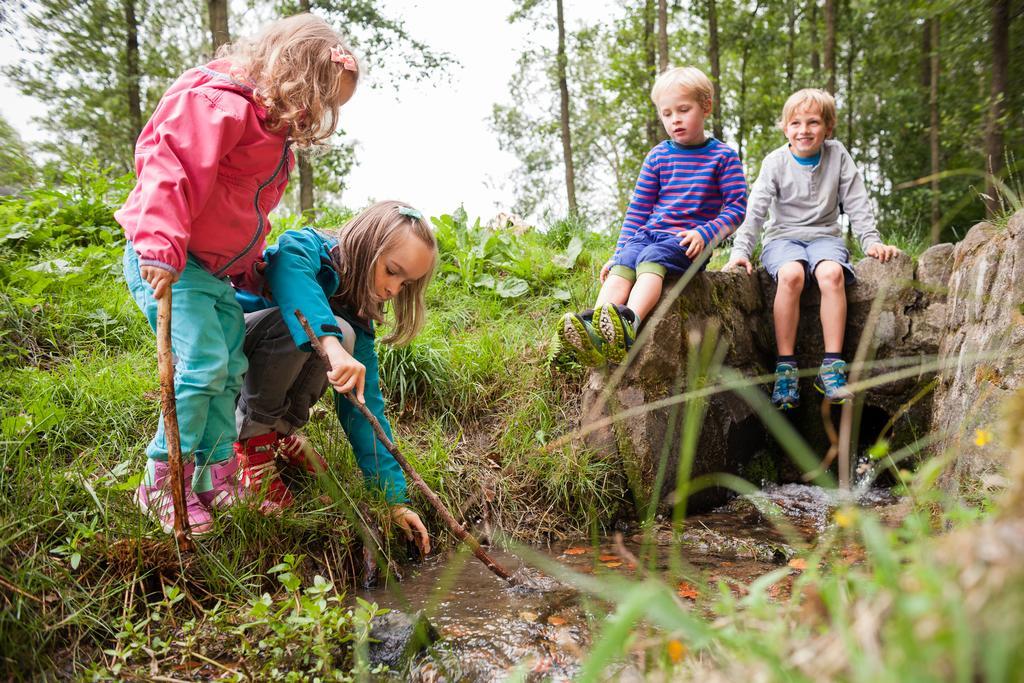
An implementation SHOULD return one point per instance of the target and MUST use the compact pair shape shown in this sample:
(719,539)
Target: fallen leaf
(608,558)
(528,616)
(687,590)
(556,620)
(798,563)
(725,563)
(612,565)
(576,551)
(676,651)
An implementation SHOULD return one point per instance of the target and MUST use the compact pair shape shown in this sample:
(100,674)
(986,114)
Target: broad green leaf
(512,287)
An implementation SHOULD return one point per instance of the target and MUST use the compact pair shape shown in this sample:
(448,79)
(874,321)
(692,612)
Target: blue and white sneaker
(831,381)
(786,393)
(578,336)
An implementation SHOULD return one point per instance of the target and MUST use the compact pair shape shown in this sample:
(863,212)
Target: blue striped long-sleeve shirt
(688,188)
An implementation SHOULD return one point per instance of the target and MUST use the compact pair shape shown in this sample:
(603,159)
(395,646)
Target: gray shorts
(779,252)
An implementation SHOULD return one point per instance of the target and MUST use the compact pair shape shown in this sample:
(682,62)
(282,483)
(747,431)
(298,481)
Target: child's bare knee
(829,275)
(791,276)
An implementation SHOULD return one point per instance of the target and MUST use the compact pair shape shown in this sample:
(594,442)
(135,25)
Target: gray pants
(283,382)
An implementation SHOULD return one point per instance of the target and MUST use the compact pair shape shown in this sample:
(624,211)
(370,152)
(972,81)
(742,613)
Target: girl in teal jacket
(340,283)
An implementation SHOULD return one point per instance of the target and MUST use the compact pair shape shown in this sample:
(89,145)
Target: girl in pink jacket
(212,162)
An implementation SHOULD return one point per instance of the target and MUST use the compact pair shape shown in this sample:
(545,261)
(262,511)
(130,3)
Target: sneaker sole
(610,327)
(573,334)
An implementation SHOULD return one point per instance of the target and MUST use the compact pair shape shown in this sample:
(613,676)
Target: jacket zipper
(259,214)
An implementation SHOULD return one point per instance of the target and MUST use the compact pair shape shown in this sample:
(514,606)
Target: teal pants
(207,331)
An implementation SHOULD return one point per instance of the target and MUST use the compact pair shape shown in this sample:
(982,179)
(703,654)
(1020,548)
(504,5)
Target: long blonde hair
(290,65)
(361,242)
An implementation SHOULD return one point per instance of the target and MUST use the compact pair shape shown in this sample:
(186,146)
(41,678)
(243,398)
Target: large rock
(397,636)
(897,314)
(728,305)
(983,343)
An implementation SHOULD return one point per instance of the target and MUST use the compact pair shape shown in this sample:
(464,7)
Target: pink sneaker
(296,451)
(157,502)
(226,490)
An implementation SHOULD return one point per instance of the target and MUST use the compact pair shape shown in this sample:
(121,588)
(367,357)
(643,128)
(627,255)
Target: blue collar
(690,148)
(807,161)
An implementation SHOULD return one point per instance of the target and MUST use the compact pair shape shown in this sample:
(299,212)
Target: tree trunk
(219,34)
(742,105)
(790,46)
(716,71)
(131,59)
(933,130)
(849,90)
(563,93)
(830,44)
(815,55)
(651,68)
(306,198)
(662,36)
(741,132)
(999,38)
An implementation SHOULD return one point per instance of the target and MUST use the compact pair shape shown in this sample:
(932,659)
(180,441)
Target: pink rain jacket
(209,173)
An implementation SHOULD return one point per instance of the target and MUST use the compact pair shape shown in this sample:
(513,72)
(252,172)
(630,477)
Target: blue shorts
(652,252)
(778,253)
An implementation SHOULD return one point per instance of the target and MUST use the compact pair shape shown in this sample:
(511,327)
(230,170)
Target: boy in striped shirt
(691,194)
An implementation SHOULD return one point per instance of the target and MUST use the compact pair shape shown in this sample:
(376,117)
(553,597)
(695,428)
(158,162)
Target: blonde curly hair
(289,64)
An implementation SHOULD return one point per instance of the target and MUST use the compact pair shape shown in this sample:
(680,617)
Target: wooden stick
(182,533)
(417,480)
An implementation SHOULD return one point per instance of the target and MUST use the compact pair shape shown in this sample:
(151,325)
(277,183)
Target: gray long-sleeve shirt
(804,200)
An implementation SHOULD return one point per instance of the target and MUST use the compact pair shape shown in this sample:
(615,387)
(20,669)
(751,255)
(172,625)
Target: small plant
(307,633)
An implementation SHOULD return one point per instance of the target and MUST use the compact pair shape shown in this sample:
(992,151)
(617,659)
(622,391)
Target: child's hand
(160,279)
(411,524)
(693,242)
(346,373)
(737,262)
(882,252)
(605,269)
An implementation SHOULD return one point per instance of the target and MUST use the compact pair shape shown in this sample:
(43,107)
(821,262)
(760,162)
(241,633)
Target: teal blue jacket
(300,275)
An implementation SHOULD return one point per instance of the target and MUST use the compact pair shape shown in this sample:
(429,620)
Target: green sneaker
(577,335)
(618,334)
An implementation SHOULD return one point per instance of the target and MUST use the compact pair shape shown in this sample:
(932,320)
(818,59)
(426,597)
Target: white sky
(427,143)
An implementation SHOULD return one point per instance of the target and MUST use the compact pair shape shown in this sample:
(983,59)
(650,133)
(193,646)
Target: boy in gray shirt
(803,183)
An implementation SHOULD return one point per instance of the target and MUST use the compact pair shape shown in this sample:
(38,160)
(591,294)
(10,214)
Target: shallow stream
(488,630)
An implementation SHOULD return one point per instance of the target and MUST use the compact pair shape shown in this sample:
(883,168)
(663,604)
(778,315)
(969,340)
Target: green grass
(82,570)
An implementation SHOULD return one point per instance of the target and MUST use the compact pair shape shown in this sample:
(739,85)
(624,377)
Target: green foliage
(307,632)
(418,372)
(767,51)
(300,633)
(506,263)
(16,167)
(56,244)
(76,61)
